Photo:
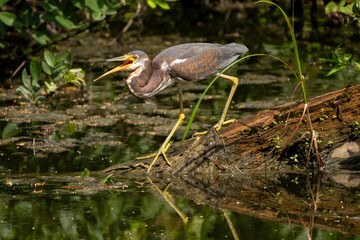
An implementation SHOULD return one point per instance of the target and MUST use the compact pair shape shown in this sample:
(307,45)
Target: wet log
(271,139)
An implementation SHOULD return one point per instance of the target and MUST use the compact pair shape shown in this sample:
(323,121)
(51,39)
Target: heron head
(131,61)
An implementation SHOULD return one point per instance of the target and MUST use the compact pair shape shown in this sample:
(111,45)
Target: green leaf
(335,69)
(356,9)
(327,60)
(64,22)
(25,92)
(40,98)
(97,16)
(46,68)
(79,3)
(336,54)
(357,66)
(61,67)
(50,87)
(108,179)
(10,19)
(85,173)
(3,2)
(58,59)
(35,71)
(42,36)
(26,15)
(3,28)
(103,5)
(93,5)
(345,9)
(163,4)
(331,7)
(48,6)
(67,57)
(10,130)
(151,3)
(110,12)
(347,57)
(35,21)
(49,58)
(39,92)
(26,80)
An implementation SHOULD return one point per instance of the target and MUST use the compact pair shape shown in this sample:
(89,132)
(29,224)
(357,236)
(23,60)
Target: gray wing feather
(197,61)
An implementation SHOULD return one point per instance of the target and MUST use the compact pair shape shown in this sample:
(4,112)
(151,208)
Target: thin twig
(140,7)
(16,71)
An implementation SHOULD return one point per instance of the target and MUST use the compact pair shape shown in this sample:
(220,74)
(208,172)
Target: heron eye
(136,57)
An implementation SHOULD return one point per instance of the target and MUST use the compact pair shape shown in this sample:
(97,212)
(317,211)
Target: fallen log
(271,139)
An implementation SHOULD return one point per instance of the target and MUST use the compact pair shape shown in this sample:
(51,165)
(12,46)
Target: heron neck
(144,82)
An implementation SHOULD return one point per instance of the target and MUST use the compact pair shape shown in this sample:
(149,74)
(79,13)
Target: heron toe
(162,150)
(216,126)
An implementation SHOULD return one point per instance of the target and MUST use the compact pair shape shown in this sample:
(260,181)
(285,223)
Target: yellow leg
(165,146)
(234,81)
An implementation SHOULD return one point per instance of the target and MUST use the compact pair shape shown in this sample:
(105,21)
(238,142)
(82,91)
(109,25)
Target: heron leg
(165,146)
(234,81)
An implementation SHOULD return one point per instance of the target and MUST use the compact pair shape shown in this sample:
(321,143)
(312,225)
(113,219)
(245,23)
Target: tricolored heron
(188,62)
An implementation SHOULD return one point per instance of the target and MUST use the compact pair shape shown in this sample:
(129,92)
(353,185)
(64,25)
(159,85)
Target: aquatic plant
(31,89)
(341,60)
(57,69)
(85,173)
(355,133)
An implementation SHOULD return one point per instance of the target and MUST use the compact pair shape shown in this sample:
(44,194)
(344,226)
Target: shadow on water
(41,146)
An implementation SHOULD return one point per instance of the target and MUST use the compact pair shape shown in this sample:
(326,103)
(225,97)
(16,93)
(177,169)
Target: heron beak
(128,60)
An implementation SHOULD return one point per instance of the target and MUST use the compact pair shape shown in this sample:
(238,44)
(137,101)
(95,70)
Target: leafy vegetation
(356,130)
(31,89)
(50,21)
(347,7)
(341,61)
(108,179)
(57,69)
(160,3)
(85,173)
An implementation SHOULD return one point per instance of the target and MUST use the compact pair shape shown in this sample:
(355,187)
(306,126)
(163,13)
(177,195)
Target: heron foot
(216,126)
(162,150)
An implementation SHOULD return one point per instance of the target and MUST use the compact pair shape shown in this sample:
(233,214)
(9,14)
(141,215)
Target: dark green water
(42,146)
